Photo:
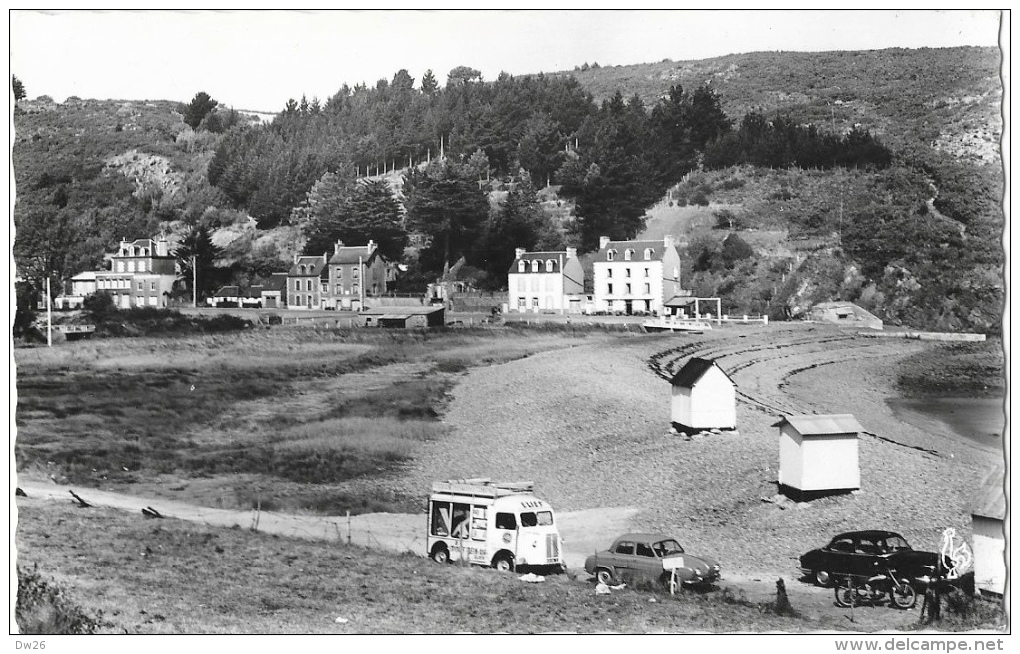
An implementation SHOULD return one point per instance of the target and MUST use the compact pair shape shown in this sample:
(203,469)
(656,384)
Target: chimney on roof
(518,253)
(371,247)
(603,242)
(296,257)
(668,240)
(571,253)
(162,247)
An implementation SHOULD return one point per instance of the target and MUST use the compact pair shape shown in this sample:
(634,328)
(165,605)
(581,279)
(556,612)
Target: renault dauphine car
(650,557)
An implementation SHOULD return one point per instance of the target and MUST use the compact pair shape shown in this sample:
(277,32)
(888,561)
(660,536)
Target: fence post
(348,526)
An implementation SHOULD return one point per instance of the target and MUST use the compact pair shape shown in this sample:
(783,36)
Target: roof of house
(990,500)
(354,254)
(538,256)
(658,249)
(228,291)
(316,263)
(276,282)
(693,370)
(818,425)
(87,276)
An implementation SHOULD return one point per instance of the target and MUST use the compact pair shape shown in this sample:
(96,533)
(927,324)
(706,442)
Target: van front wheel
(503,563)
(440,554)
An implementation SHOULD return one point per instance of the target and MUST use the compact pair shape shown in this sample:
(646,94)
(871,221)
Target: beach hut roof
(990,500)
(818,425)
(693,370)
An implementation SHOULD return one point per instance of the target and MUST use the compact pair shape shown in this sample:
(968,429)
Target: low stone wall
(929,336)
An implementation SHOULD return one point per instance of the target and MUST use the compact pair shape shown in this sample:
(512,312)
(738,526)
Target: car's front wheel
(823,578)
(604,576)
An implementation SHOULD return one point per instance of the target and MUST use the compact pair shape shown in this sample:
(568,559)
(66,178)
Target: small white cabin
(988,516)
(704,397)
(818,455)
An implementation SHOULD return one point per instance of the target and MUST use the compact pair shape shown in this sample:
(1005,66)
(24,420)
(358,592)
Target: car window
(667,547)
(625,547)
(842,545)
(867,546)
(529,519)
(894,543)
(545,518)
(643,549)
(506,521)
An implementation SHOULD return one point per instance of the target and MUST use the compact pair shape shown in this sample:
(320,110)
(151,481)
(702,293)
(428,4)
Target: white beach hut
(704,397)
(988,516)
(818,455)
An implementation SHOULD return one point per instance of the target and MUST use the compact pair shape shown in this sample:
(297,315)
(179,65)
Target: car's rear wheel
(604,576)
(823,578)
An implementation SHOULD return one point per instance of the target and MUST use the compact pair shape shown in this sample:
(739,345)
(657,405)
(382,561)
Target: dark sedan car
(650,557)
(861,554)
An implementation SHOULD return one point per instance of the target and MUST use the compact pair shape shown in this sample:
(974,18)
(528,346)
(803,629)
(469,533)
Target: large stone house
(341,281)
(635,276)
(141,274)
(545,281)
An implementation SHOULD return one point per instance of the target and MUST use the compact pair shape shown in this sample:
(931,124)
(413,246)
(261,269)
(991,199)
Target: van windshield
(539,519)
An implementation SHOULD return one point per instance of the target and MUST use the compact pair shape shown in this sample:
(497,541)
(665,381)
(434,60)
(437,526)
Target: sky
(258,60)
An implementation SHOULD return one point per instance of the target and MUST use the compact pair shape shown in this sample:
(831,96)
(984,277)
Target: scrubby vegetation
(43,608)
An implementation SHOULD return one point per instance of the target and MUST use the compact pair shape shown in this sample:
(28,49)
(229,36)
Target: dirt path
(398,532)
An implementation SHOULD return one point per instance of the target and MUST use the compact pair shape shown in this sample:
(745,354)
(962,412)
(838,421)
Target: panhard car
(862,554)
(650,557)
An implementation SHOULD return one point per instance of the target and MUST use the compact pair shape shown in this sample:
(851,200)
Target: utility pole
(194,283)
(49,315)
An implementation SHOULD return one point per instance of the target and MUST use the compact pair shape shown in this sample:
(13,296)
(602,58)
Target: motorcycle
(876,589)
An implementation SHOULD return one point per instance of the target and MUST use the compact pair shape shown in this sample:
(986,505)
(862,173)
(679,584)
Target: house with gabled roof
(354,273)
(635,276)
(142,274)
(704,397)
(304,282)
(545,281)
(274,291)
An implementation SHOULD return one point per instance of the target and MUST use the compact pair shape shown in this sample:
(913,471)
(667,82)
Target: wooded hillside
(883,160)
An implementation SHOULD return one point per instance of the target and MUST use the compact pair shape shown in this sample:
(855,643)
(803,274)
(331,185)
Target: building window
(550,265)
(648,288)
(609,289)
(628,289)
(354,288)
(522,304)
(609,305)
(141,285)
(646,272)
(339,273)
(354,272)
(627,272)
(611,255)
(535,266)
(308,285)
(520,266)
(301,269)
(648,253)
(628,254)
(339,290)
(609,273)
(297,284)
(534,303)
(152,286)
(120,266)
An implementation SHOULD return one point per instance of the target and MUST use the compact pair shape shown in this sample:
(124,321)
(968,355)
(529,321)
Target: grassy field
(283,418)
(133,575)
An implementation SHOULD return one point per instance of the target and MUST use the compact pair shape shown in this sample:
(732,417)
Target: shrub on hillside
(42,608)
